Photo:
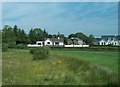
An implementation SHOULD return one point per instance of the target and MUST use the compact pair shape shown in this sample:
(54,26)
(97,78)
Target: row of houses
(77,42)
(71,42)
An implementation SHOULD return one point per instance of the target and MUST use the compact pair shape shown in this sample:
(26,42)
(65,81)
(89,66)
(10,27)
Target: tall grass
(18,68)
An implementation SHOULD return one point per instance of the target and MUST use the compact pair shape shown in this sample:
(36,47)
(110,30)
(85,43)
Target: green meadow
(61,68)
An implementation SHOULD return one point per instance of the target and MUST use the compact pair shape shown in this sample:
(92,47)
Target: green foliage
(21,46)
(32,50)
(11,45)
(4,47)
(91,40)
(8,35)
(36,34)
(41,53)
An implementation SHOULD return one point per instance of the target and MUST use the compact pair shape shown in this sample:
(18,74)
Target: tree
(36,35)
(8,36)
(45,34)
(91,39)
(21,37)
(15,30)
(49,36)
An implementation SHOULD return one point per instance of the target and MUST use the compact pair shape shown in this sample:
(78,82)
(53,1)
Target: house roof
(107,36)
(110,36)
(75,38)
(55,39)
(96,40)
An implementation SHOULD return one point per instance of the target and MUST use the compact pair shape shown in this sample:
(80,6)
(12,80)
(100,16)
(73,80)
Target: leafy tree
(21,37)
(8,36)
(54,36)
(91,39)
(49,36)
(30,36)
(45,34)
(36,35)
(15,30)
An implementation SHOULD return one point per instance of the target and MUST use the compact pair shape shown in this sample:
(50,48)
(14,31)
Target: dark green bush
(11,44)
(32,50)
(41,53)
(4,47)
(21,46)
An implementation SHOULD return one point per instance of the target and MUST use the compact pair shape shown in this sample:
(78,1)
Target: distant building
(97,41)
(113,40)
(75,41)
(48,42)
(54,41)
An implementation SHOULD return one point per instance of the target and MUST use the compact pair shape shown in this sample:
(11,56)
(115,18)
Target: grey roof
(97,38)
(55,39)
(110,36)
(118,37)
(107,36)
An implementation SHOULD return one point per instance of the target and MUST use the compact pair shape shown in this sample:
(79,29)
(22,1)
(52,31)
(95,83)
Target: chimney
(58,37)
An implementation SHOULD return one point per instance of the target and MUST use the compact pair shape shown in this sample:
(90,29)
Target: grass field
(62,68)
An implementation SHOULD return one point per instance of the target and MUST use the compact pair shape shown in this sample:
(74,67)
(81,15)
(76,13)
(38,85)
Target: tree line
(15,36)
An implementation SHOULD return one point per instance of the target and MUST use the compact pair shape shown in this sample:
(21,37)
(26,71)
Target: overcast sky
(97,18)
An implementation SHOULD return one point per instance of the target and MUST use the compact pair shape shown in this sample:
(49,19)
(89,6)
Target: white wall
(102,41)
(33,45)
(48,40)
(61,43)
(39,42)
(115,43)
(76,45)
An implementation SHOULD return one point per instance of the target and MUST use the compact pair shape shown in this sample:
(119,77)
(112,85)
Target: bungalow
(54,41)
(48,42)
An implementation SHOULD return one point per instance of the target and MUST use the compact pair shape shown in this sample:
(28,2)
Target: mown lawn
(62,68)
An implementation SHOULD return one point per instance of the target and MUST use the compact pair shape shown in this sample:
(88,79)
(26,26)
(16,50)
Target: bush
(41,53)
(11,44)
(32,50)
(20,46)
(4,47)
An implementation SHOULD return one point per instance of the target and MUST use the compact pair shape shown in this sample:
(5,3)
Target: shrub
(11,44)
(32,50)
(20,46)
(41,53)
(4,47)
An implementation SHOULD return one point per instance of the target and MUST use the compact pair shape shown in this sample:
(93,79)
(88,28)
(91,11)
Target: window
(57,43)
(102,43)
(48,42)
(39,43)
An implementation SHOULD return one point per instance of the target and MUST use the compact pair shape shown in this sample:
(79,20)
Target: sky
(97,18)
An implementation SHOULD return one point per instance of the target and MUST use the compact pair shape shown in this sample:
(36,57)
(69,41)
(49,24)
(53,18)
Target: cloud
(90,18)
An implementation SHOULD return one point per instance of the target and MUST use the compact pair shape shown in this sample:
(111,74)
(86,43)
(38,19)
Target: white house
(48,42)
(110,40)
(54,41)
